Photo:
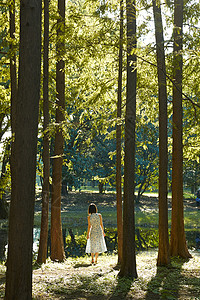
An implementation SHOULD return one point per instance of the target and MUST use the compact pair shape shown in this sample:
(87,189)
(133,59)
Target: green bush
(145,238)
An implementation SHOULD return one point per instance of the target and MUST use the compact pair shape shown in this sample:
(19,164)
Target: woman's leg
(92,254)
(96,256)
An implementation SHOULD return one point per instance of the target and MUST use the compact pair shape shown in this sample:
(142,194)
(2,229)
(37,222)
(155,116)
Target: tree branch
(168,77)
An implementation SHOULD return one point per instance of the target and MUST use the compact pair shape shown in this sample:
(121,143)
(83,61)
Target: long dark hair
(92,209)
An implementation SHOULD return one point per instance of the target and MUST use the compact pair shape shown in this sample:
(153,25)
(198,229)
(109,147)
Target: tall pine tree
(163,250)
(128,264)
(118,141)
(42,252)
(24,150)
(178,246)
(57,246)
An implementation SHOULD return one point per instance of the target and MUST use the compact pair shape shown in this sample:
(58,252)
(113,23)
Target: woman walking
(95,234)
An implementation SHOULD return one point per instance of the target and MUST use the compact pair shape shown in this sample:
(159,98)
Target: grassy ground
(78,279)
(75,206)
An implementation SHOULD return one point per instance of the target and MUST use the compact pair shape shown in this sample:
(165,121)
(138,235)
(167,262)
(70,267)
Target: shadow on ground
(83,265)
(122,288)
(173,283)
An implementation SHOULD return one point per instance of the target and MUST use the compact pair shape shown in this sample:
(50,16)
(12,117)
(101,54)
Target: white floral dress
(96,242)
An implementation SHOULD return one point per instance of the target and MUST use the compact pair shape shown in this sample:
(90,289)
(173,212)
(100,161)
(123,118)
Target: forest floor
(77,278)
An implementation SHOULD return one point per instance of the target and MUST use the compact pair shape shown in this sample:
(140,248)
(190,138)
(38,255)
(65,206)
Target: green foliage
(5,177)
(77,247)
(145,239)
(191,175)
(91,70)
(147,152)
(86,152)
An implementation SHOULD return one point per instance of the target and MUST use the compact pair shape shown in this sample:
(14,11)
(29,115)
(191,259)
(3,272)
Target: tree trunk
(163,250)
(118,142)
(101,184)
(128,266)
(140,190)
(42,252)
(24,150)
(139,194)
(178,245)
(57,247)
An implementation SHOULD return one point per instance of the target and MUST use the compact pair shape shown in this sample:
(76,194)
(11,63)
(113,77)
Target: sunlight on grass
(186,194)
(191,263)
(77,218)
(146,218)
(191,219)
(77,278)
(2,280)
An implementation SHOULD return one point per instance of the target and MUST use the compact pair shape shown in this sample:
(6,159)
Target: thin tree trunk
(128,265)
(118,141)
(57,247)
(163,250)
(42,252)
(24,150)
(178,245)
(140,191)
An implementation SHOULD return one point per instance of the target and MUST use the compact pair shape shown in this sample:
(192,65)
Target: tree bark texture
(42,252)
(163,250)
(57,247)
(128,265)
(178,245)
(118,142)
(24,150)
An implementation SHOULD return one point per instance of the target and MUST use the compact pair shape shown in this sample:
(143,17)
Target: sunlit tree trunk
(118,141)
(24,150)
(163,250)
(128,264)
(42,252)
(57,247)
(178,245)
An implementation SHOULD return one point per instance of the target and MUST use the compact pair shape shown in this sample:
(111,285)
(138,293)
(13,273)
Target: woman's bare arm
(101,224)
